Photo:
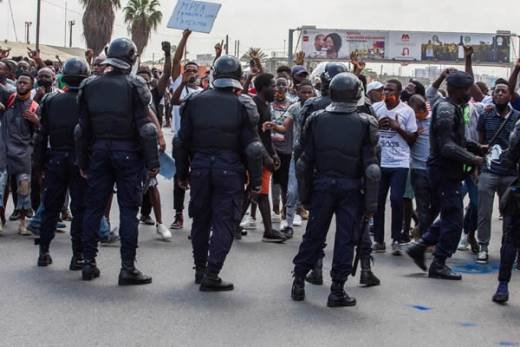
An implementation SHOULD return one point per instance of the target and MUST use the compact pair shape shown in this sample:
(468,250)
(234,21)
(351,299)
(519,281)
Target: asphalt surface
(53,307)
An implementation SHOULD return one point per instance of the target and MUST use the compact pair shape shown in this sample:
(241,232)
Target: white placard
(196,16)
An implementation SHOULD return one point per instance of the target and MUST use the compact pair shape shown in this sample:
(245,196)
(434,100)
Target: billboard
(411,46)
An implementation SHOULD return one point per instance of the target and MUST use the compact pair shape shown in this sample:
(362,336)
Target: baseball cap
(375,85)
(299,70)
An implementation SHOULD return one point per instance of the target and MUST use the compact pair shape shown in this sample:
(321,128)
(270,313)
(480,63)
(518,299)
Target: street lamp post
(38,13)
(71,24)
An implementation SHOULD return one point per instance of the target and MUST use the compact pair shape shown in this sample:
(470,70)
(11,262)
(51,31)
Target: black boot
(44,259)
(316,275)
(199,273)
(338,297)
(367,277)
(130,276)
(298,289)
(89,271)
(416,252)
(438,269)
(212,283)
(76,263)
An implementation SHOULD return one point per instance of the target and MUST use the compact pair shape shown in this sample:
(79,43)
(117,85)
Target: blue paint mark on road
(477,269)
(466,324)
(421,308)
(509,344)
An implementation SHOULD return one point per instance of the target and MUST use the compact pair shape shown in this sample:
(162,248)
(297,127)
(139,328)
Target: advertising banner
(412,46)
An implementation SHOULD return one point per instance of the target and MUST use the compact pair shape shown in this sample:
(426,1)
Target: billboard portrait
(413,46)
(339,44)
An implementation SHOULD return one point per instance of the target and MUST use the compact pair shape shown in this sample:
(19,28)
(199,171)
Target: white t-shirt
(187,91)
(395,152)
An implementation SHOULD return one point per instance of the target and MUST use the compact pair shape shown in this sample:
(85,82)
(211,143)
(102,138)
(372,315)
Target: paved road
(53,307)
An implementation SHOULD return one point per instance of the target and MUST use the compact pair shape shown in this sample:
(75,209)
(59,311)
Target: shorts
(23,189)
(266,180)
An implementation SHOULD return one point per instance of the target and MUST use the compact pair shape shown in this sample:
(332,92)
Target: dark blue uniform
(340,144)
(113,107)
(446,172)
(59,115)
(215,132)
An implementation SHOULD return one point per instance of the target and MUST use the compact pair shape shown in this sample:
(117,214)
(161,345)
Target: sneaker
(273,237)
(483,257)
(178,223)
(22,230)
(396,248)
(61,225)
(248,223)
(304,214)
(15,216)
(110,239)
(66,216)
(147,220)
(297,222)
(275,218)
(164,232)
(380,247)
(464,243)
(288,232)
(283,224)
(405,239)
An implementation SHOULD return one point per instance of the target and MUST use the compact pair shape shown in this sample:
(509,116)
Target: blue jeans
(292,195)
(393,179)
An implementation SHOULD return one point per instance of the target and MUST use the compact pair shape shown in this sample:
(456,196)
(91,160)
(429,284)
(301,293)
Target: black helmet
(345,87)
(121,54)
(227,72)
(75,70)
(331,70)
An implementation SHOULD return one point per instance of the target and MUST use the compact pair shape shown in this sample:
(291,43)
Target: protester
(495,126)
(183,85)
(398,131)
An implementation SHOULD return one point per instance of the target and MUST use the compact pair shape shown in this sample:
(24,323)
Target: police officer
(115,141)
(59,114)
(320,102)
(510,208)
(367,277)
(337,175)
(216,135)
(448,157)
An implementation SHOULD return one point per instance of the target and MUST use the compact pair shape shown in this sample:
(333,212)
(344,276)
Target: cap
(460,79)
(375,85)
(299,70)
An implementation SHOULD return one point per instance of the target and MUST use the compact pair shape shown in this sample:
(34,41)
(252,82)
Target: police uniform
(59,114)
(337,175)
(215,137)
(115,142)
(446,172)
(367,277)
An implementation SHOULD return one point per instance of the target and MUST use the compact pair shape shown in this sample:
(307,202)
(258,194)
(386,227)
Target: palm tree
(142,16)
(98,22)
(254,54)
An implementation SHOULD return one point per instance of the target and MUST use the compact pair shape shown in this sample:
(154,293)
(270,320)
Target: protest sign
(196,16)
